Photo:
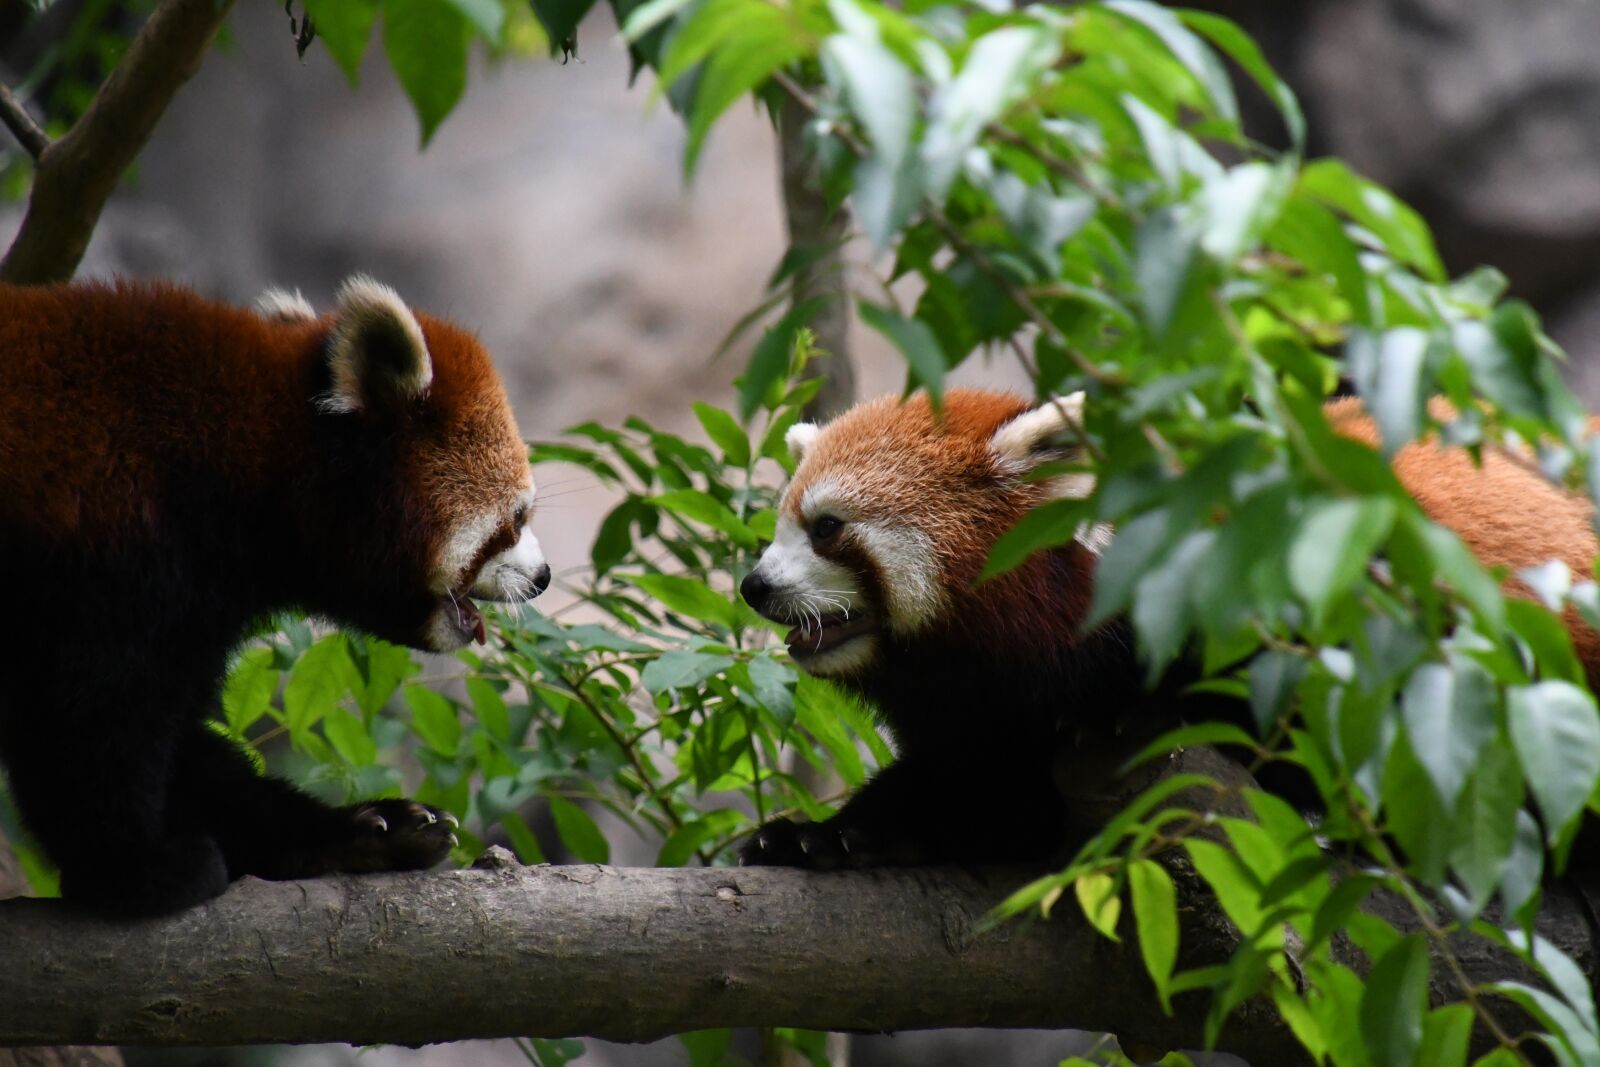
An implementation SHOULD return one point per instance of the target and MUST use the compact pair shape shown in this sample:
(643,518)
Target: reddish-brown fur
(1504,510)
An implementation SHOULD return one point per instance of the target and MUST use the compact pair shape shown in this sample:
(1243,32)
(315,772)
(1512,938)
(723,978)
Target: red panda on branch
(881,536)
(174,471)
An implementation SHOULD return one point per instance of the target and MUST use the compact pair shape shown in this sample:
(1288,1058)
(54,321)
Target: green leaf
(684,842)
(1000,68)
(681,669)
(320,678)
(579,832)
(349,738)
(1457,565)
(1446,1033)
(1239,205)
(1050,524)
(1161,614)
(774,684)
(1274,676)
(560,20)
(1388,370)
(434,718)
(426,41)
(917,343)
(1097,896)
(696,506)
(488,17)
(1155,915)
(688,596)
(1485,824)
(1237,889)
(1332,547)
(1450,714)
(489,708)
(1394,1001)
(1401,229)
(1186,48)
(247,694)
(770,360)
(345,27)
(763,40)
(878,88)
(1556,731)
(725,431)
(1243,51)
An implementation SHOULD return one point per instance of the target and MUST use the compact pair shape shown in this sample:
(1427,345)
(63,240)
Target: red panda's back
(103,386)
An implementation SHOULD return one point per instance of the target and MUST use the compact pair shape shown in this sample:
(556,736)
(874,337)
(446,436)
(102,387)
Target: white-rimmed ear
(799,438)
(1032,436)
(376,353)
(281,305)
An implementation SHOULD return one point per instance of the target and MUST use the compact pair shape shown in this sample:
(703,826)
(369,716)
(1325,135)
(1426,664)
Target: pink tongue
(471,620)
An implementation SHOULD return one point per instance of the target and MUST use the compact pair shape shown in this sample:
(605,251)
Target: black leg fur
(913,812)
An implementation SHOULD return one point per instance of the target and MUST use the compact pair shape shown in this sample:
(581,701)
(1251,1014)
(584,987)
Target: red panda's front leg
(268,828)
(926,811)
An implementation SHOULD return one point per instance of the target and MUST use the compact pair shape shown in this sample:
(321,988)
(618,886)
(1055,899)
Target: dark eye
(826,528)
(519,516)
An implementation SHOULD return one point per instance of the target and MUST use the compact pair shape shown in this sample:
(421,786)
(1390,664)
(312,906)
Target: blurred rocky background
(550,214)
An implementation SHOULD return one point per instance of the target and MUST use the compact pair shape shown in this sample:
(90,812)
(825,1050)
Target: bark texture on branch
(625,954)
(76,174)
(628,954)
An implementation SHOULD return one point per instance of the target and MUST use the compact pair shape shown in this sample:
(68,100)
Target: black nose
(541,579)
(755,590)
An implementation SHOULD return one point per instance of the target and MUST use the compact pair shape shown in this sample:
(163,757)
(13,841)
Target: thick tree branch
(21,124)
(627,954)
(76,174)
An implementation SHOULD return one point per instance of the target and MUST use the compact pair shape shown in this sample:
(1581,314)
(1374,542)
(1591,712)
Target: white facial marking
(910,572)
(509,575)
(281,305)
(801,580)
(462,547)
(363,305)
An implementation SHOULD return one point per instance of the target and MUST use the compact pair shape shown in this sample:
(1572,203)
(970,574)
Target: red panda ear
(799,438)
(1030,438)
(376,354)
(281,305)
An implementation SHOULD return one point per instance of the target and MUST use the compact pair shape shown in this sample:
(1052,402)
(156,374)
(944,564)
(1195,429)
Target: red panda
(172,472)
(880,537)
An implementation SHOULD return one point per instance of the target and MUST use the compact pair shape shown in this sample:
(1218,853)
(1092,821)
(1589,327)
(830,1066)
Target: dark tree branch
(21,124)
(626,954)
(76,174)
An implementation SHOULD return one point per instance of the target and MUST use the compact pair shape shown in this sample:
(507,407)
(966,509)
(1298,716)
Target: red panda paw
(817,846)
(393,835)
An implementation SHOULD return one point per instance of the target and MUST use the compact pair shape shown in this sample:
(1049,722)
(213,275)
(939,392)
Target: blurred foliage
(1071,185)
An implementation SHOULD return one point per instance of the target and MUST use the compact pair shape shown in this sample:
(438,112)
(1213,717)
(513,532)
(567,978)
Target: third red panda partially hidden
(172,472)
(881,536)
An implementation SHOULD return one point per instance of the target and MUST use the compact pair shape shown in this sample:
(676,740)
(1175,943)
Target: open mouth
(464,616)
(816,636)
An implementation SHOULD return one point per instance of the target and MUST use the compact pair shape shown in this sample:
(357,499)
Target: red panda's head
(891,514)
(435,475)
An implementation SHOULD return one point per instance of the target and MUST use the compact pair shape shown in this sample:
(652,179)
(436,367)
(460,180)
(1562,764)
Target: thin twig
(27,132)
